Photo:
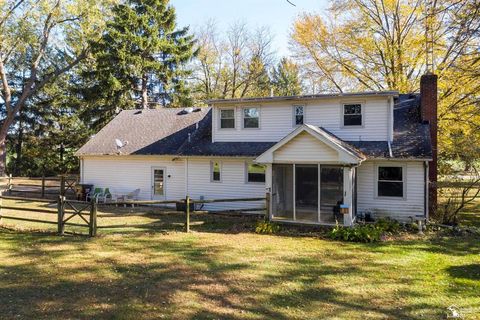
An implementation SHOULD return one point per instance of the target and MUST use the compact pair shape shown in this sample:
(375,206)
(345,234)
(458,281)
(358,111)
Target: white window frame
(220,118)
(243,117)
(212,164)
(294,115)
(247,163)
(404,181)
(362,114)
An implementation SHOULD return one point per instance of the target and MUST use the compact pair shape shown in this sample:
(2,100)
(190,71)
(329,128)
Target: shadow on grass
(469,271)
(129,277)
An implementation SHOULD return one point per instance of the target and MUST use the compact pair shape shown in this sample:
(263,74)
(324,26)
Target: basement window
(255,172)
(216,171)
(352,114)
(390,182)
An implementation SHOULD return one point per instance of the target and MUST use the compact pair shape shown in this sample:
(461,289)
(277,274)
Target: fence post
(92,230)
(61,211)
(43,186)
(267,206)
(62,185)
(187,204)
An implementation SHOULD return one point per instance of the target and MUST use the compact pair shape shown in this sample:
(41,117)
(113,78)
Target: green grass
(224,271)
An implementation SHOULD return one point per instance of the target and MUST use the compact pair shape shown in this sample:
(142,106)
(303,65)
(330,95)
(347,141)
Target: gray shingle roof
(166,131)
(149,131)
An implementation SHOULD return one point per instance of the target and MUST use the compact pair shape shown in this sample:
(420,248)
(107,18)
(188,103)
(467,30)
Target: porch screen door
(158,183)
(306,192)
(282,191)
(331,193)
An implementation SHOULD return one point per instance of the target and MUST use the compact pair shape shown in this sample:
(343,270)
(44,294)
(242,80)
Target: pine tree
(142,56)
(285,79)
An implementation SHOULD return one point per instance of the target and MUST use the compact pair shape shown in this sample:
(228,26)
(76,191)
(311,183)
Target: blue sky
(278,15)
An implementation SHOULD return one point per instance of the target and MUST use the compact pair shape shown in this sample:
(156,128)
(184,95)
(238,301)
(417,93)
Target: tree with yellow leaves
(381,45)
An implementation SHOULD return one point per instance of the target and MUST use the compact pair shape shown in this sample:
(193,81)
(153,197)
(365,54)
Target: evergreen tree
(142,56)
(285,79)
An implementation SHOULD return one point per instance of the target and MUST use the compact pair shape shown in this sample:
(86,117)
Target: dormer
(365,116)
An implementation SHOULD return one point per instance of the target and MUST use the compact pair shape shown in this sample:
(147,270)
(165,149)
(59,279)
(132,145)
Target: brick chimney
(428,107)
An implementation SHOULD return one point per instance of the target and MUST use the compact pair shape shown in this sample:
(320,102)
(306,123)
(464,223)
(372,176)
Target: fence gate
(68,183)
(87,211)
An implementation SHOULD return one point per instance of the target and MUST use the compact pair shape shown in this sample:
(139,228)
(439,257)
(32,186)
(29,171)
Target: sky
(278,15)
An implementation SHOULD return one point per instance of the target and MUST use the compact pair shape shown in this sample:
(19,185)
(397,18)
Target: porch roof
(346,152)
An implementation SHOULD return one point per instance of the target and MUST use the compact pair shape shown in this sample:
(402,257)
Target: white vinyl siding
(304,147)
(411,205)
(276,121)
(123,174)
(233,184)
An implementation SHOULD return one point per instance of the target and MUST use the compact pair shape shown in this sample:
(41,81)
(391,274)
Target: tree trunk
(144,92)
(3,157)
(18,149)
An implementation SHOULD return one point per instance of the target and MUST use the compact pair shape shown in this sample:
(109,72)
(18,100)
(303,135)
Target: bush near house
(366,232)
(266,227)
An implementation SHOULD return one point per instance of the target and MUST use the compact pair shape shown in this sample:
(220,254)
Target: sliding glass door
(307,192)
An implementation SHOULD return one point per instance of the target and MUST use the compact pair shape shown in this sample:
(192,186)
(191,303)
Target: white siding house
(323,159)
(276,119)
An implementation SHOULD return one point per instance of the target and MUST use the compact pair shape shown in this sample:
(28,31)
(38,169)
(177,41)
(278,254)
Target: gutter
(306,97)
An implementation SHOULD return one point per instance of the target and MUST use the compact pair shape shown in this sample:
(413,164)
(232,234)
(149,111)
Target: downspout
(214,117)
(390,119)
(186,176)
(426,188)
(390,152)
(82,170)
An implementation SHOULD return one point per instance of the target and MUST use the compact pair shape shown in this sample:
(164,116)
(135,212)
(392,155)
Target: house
(368,152)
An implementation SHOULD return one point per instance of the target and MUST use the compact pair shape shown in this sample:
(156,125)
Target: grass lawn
(221,270)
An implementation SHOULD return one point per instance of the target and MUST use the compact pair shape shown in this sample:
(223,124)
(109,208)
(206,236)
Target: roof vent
(189,110)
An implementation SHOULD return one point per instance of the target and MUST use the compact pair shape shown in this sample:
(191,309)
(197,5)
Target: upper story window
(298,115)
(352,114)
(255,172)
(390,182)
(251,118)
(227,118)
(216,171)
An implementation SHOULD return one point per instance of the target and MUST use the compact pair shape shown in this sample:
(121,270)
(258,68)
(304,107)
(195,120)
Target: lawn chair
(103,198)
(98,193)
(131,196)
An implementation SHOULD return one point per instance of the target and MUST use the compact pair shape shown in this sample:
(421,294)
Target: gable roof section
(144,132)
(346,152)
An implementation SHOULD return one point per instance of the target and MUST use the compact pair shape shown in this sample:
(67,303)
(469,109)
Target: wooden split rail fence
(41,187)
(67,209)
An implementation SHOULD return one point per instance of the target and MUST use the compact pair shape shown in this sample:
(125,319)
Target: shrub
(388,225)
(358,233)
(366,232)
(266,227)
